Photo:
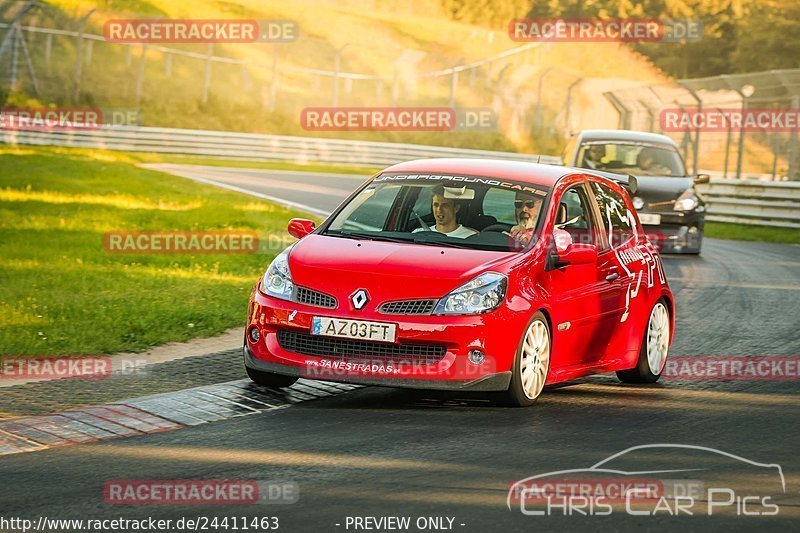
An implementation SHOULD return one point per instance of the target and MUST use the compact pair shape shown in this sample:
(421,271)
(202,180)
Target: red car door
(617,265)
(579,291)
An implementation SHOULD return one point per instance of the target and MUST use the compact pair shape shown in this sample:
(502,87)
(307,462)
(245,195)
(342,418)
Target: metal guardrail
(753,202)
(254,147)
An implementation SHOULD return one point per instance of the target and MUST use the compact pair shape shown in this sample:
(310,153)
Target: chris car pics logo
(655,480)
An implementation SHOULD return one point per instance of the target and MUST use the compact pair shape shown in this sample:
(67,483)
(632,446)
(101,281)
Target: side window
(614,214)
(499,203)
(372,214)
(421,209)
(574,215)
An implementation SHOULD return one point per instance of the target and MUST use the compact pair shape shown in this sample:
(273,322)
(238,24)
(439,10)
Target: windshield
(443,210)
(633,158)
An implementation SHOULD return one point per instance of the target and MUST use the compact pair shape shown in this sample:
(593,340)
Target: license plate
(649,219)
(353,329)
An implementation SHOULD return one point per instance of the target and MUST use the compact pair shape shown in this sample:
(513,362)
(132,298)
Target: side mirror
(580,254)
(702,178)
(300,227)
(564,252)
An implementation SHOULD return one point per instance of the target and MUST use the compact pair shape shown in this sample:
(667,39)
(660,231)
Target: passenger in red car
(526,211)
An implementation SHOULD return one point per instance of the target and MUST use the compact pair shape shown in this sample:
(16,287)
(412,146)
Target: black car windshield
(443,210)
(638,159)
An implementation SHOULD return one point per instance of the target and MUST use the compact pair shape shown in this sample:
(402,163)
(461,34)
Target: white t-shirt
(461,232)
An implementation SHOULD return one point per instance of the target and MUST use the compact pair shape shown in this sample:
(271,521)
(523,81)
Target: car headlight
(277,280)
(687,201)
(638,202)
(478,295)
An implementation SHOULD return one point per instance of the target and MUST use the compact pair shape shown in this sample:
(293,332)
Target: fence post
(727,144)
(568,105)
(245,77)
(793,172)
(207,73)
(15,30)
(48,49)
(395,87)
(741,141)
(538,115)
(453,87)
(140,74)
(337,63)
(273,85)
(79,56)
(696,146)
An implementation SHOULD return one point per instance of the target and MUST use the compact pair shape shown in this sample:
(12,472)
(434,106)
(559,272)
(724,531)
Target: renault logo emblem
(359,299)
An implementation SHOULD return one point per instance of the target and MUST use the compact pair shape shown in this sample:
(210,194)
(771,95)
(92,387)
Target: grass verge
(61,293)
(744,232)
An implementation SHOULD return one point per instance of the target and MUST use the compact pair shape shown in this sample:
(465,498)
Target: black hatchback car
(669,206)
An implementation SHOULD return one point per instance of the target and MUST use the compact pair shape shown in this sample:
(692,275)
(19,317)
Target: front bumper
(488,383)
(496,334)
(678,233)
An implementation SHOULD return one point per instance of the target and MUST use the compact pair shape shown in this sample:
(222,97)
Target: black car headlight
(687,201)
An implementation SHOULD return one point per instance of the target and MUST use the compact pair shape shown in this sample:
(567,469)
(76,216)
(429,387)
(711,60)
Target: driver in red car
(526,211)
(444,211)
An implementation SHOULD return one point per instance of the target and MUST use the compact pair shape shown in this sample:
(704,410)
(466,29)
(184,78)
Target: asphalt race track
(390,452)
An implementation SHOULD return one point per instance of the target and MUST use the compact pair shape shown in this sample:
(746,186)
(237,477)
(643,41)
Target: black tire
(515,396)
(642,373)
(268,379)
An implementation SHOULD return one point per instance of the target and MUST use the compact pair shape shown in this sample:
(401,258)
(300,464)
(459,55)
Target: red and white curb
(153,414)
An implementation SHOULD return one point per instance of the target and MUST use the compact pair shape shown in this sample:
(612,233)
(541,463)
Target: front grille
(315,298)
(409,307)
(366,351)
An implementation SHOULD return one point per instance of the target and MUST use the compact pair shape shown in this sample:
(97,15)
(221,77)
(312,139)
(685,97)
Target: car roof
(524,171)
(625,135)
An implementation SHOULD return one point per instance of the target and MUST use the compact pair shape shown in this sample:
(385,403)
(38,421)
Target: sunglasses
(530,204)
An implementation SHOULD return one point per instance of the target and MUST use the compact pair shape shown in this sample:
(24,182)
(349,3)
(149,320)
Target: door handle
(612,277)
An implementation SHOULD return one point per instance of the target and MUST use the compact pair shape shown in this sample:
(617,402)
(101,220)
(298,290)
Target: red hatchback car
(465,274)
